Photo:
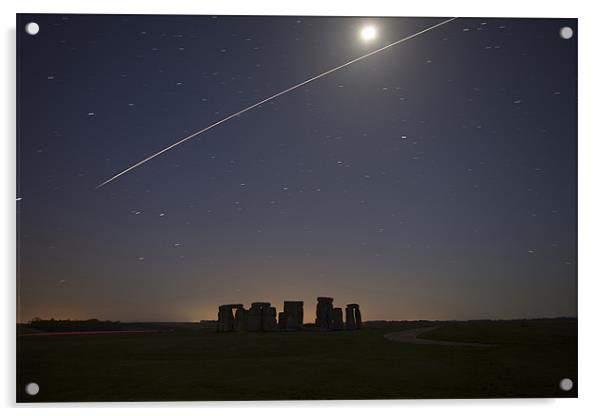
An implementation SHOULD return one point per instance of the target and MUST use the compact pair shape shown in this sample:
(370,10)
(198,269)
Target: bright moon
(368,33)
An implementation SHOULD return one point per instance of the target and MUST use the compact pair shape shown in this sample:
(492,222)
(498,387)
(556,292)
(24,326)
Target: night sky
(434,180)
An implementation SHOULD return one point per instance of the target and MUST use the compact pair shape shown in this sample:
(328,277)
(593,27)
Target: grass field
(526,361)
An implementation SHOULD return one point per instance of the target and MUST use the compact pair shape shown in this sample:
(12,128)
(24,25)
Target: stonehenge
(241,319)
(329,317)
(337,319)
(293,314)
(226,318)
(324,313)
(268,319)
(353,316)
(282,321)
(358,316)
(349,318)
(261,316)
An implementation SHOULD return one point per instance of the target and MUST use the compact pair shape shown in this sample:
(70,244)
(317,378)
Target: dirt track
(410,337)
(43,334)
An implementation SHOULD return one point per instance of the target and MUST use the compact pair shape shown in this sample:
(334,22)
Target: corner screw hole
(32,28)
(566,384)
(32,389)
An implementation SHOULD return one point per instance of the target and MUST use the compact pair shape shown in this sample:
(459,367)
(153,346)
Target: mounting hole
(566,32)
(32,28)
(32,389)
(566,384)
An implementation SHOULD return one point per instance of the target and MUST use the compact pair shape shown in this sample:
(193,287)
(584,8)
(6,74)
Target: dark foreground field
(528,360)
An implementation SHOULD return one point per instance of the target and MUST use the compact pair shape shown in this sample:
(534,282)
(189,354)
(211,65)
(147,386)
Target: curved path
(409,336)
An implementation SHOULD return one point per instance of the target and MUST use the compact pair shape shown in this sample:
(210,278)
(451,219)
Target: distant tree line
(67,325)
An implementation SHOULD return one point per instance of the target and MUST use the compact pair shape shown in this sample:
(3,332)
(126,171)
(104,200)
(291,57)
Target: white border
(590,206)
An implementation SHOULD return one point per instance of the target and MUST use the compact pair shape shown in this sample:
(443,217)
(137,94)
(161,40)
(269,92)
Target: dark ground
(181,363)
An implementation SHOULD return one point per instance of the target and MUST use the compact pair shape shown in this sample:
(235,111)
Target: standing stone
(354,315)
(324,313)
(255,316)
(241,319)
(294,314)
(225,318)
(220,319)
(282,320)
(349,318)
(268,318)
(358,317)
(337,318)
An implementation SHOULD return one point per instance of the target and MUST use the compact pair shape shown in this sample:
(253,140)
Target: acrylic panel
(295,207)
